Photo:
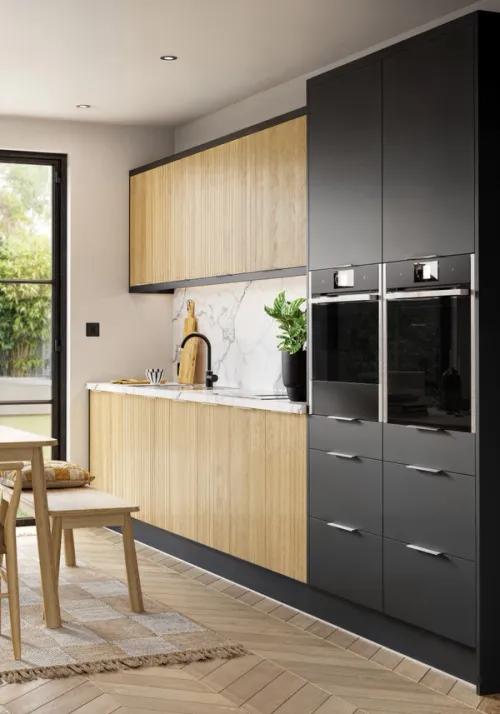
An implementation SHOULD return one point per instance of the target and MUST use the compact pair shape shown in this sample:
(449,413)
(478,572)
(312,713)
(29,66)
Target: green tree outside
(25,254)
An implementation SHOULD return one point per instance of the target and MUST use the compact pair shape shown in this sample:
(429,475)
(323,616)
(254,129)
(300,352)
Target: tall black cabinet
(391,153)
(345,169)
(404,150)
(428,139)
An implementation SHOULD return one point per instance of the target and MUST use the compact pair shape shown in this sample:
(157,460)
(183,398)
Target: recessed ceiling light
(83,106)
(168,58)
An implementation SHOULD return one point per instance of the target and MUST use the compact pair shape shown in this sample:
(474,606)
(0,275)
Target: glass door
(33,294)
(345,357)
(429,361)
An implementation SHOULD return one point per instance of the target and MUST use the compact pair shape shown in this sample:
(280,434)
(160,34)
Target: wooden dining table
(17,445)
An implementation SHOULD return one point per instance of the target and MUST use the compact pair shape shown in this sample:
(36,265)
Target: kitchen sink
(175,386)
(218,390)
(241,394)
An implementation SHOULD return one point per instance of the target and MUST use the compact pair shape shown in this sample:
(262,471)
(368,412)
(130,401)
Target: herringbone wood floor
(296,665)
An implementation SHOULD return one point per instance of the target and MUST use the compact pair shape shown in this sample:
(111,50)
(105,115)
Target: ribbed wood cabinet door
(121,448)
(149,222)
(212,444)
(286,494)
(248,485)
(183,486)
(137,453)
(101,440)
(160,481)
(276,197)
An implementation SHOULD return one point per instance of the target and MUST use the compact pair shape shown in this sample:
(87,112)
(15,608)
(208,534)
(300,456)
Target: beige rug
(99,632)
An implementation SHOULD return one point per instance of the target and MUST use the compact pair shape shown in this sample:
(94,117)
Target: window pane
(25,222)
(36,418)
(25,337)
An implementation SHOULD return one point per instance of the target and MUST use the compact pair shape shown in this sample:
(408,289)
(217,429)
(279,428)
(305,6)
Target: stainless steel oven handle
(339,418)
(422,294)
(422,257)
(339,455)
(425,469)
(342,528)
(427,551)
(326,299)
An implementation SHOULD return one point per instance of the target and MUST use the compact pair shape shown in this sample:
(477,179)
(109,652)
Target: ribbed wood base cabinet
(232,479)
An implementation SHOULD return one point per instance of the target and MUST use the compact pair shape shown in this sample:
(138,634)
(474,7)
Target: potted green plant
(292,321)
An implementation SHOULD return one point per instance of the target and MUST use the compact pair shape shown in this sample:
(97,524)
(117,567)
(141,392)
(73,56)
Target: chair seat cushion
(58,474)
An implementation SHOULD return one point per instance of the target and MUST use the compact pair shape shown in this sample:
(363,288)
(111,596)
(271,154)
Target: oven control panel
(433,273)
(345,279)
(426,272)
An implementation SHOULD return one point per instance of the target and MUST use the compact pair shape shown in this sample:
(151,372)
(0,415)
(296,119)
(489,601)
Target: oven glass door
(345,359)
(429,362)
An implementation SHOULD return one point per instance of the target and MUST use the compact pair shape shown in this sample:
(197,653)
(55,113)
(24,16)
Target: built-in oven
(428,361)
(344,339)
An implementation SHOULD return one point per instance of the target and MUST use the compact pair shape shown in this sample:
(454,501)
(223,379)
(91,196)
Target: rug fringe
(61,671)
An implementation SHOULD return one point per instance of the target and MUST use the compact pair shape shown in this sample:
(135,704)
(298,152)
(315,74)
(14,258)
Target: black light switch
(92,329)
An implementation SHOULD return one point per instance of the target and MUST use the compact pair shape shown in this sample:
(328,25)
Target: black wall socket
(92,329)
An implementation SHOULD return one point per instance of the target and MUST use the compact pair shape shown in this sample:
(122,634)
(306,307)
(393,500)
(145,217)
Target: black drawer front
(346,564)
(436,511)
(449,450)
(360,438)
(347,491)
(435,593)
(345,399)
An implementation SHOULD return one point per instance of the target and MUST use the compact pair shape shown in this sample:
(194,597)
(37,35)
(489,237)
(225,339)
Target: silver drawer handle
(424,468)
(424,428)
(341,456)
(427,551)
(342,528)
(337,418)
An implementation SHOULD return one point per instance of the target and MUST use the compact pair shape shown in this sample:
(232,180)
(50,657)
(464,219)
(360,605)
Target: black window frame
(59,367)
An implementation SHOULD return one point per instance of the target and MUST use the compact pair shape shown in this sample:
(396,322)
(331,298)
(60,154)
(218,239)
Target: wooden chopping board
(190,351)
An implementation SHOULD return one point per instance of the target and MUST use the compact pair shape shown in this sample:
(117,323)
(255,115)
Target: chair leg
(4,507)
(133,578)
(13,589)
(56,544)
(69,548)
(56,534)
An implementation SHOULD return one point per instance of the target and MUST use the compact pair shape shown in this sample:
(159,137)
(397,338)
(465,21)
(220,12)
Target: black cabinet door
(345,167)
(346,491)
(433,510)
(348,564)
(436,593)
(428,154)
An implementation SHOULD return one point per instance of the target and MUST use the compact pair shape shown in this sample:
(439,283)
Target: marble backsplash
(243,337)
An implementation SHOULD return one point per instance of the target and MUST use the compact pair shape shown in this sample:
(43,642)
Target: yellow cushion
(58,474)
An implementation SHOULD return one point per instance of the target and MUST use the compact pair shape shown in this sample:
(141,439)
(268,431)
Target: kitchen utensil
(155,374)
(190,351)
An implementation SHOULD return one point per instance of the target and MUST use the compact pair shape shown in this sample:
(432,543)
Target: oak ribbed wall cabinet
(232,479)
(239,207)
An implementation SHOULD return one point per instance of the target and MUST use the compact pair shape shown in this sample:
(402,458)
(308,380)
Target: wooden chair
(8,549)
(86,507)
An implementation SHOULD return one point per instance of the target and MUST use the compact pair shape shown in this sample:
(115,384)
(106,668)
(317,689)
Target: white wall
(285,97)
(135,329)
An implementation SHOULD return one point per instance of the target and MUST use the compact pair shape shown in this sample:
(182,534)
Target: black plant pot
(294,369)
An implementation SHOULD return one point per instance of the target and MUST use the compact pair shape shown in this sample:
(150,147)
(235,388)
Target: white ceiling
(55,54)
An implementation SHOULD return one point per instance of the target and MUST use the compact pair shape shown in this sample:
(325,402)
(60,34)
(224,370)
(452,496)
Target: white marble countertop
(222,395)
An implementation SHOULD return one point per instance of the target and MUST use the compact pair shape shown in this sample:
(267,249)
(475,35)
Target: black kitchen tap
(210,377)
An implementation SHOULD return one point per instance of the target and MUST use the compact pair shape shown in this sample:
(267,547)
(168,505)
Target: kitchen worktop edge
(203,397)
